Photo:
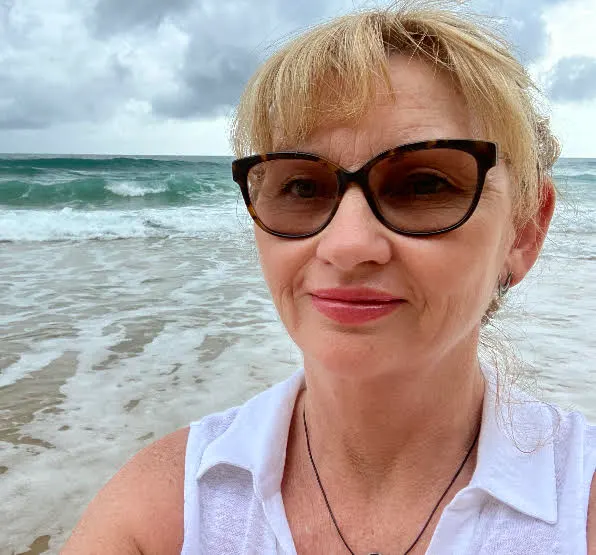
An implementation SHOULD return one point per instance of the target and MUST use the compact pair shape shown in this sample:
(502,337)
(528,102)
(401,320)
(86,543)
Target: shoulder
(140,510)
(574,435)
(575,444)
(213,425)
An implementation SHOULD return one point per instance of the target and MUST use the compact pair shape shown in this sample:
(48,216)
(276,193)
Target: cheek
(271,259)
(456,273)
(479,259)
(282,263)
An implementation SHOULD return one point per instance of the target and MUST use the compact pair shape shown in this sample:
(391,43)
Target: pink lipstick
(353,306)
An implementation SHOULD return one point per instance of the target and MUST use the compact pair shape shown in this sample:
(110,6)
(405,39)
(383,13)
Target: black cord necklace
(314,466)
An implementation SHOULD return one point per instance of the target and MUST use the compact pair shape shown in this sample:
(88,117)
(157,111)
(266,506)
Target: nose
(354,236)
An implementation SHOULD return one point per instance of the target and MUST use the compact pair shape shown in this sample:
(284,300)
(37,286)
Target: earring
(504,286)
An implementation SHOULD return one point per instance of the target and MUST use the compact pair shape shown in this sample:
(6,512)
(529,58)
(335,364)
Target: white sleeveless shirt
(522,499)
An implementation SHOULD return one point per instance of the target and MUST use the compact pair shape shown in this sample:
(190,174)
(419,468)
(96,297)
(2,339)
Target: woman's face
(443,283)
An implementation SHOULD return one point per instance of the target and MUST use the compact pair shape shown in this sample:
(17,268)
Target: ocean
(131,303)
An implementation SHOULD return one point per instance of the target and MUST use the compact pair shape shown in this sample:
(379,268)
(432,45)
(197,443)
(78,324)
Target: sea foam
(131,189)
(70,225)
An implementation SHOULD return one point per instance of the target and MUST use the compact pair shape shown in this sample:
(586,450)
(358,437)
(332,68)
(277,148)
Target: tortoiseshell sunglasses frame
(484,152)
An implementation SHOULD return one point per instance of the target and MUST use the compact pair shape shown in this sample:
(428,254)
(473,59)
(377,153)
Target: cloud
(220,55)
(90,60)
(51,73)
(522,23)
(117,16)
(92,97)
(210,83)
(227,43)
(573,79)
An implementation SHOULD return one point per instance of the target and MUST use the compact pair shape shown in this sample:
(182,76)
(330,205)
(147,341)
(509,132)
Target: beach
(131,303)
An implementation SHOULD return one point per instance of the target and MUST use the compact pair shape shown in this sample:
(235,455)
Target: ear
(530,238)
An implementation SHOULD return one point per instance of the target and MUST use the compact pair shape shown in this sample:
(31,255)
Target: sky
(163,76)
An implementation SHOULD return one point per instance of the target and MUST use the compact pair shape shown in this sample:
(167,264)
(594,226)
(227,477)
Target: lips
(354,306)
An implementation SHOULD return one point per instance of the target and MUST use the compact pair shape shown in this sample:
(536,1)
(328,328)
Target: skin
(411,376)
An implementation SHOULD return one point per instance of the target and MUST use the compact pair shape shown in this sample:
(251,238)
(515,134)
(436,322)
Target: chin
(353,355)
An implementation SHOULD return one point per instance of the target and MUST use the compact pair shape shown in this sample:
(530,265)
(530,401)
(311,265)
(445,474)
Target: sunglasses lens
(414,191)
(293,197)
(425,190)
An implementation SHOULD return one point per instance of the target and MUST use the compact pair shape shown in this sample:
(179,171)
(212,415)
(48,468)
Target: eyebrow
(414,134)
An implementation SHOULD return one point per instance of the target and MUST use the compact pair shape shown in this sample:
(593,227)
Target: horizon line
(122,155)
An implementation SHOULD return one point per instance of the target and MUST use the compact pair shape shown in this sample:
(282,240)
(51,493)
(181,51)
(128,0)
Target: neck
(371,430)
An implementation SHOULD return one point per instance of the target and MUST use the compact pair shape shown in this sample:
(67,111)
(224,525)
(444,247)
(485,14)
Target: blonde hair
(332,71)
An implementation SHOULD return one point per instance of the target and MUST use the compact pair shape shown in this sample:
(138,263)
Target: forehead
(425,105)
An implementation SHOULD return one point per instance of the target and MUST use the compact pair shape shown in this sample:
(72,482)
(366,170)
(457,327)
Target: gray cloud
(118,16)
(522,24)
(573,79)
(184,59)
(210,86)
(56,80)
(224,51)
(28,106)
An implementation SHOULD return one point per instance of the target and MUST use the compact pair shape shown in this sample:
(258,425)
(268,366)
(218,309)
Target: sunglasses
(417,189)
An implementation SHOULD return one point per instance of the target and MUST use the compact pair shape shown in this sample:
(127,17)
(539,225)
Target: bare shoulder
(141,509)
(592,519)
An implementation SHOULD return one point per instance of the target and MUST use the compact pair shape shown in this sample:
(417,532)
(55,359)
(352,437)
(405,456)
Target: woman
(416,193)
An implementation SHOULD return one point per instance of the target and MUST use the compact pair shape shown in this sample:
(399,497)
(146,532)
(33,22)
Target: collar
(515,462)
(257,437)
(516,459)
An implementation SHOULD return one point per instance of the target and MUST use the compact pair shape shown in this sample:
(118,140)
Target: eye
(420,184)
(303,188)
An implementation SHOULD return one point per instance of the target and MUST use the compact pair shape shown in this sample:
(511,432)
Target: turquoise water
(104,183)
(80,198)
